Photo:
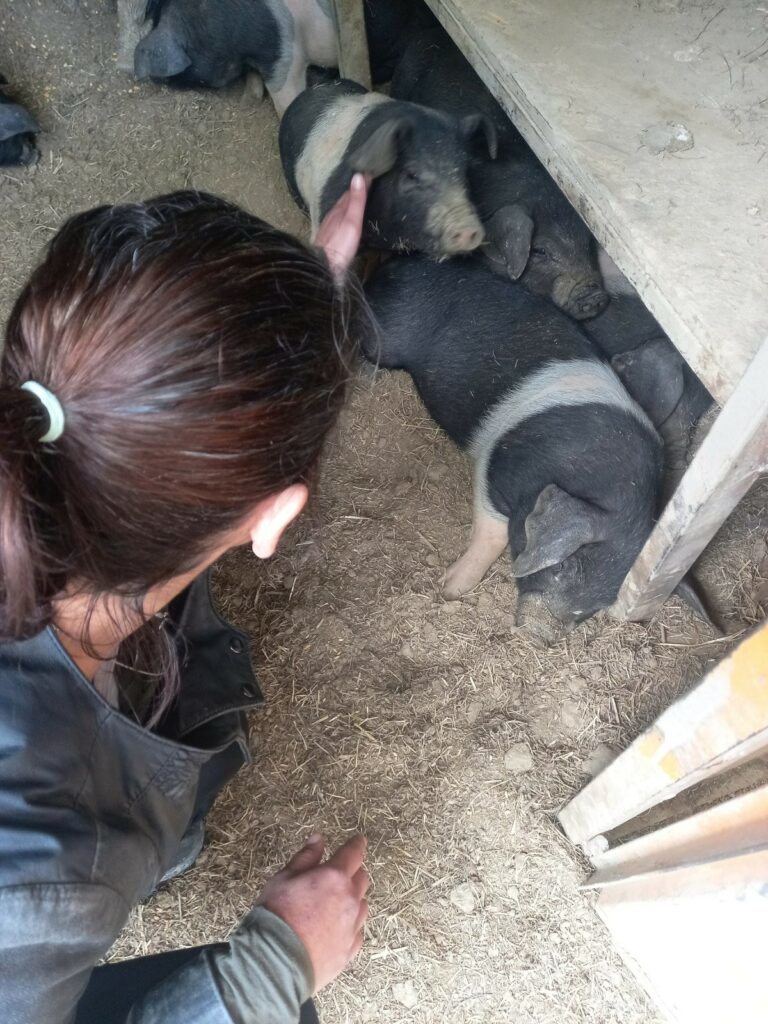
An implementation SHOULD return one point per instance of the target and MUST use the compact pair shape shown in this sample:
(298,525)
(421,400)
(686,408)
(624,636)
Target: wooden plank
(354,62)
(720,723)
(734,454)
(695,939)
(738,825)
(584,82)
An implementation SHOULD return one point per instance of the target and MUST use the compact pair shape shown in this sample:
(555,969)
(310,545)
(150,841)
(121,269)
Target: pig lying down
(533,234)
(196,42)
(418,158)
(567,466)
(17,132)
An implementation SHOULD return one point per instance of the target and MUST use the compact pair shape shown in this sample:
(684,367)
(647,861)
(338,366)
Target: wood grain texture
(354,62)
(584,82)
(719,724)
(732,457)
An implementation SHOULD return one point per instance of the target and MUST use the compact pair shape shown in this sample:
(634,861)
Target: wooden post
(721,723)
(353,42)
(734,454)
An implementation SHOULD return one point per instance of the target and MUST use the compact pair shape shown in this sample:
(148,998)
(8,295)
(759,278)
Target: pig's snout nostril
(589,303)
(465,239)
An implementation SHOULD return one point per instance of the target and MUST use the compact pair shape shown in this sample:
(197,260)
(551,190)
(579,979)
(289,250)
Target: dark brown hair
(200,357)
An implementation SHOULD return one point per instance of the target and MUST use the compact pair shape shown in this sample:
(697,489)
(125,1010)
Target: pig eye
(538,250)
(412,177)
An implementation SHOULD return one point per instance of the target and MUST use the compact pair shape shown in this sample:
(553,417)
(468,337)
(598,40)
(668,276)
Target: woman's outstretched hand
(324,903)
(339,234)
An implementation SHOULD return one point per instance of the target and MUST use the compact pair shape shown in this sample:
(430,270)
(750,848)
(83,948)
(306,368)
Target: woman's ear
(273,516)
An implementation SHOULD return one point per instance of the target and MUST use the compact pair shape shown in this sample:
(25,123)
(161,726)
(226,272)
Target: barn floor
(437,728)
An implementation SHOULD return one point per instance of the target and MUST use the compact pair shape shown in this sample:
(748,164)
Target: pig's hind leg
(488,541)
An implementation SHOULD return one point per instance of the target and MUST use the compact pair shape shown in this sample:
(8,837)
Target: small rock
(450,607)
(405,993)
(402,488)
(599,759)
(571,717)
(518,759)
(473,712)
(436,472)
(463,898)
(432,559)
(406,651)
(577,684)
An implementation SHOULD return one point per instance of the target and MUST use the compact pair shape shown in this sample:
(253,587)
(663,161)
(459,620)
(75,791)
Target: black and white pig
(199,43)
(566,465)
(418,158)
(533,234)
(17,132)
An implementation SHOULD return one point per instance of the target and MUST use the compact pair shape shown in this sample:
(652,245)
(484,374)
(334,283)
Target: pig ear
(379,153)
(478,129)
(653,374)
(510,230)
(558,525)
(14,120)
(160,55)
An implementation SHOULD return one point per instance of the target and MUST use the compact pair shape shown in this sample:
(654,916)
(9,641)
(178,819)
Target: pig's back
(466,336)
(304,134)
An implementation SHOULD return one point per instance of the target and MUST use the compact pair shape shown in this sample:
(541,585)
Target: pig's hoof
(457,581)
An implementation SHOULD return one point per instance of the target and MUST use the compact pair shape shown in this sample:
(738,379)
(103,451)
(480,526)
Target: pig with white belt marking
(198,43)
(418,159)
(567,466)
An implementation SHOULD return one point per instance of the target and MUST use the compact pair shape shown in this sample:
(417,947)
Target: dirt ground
(437,728)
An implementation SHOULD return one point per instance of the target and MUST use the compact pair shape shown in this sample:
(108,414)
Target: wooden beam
(354,62)
(719,724)
(738,825)
(734,454)
(695,937)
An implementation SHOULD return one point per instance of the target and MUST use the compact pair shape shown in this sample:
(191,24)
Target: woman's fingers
(362,916)
(308,857)
(339,234)
(349,857)
(360,882)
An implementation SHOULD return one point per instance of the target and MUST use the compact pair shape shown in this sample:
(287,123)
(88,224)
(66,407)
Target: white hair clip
(53,408)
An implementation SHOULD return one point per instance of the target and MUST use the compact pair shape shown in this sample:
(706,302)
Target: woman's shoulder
(77,802)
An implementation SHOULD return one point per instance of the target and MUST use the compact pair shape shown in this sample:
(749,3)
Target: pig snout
(586,301)
(464,239)
(540,625)
(454,225)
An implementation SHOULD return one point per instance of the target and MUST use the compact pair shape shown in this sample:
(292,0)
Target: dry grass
(387,709)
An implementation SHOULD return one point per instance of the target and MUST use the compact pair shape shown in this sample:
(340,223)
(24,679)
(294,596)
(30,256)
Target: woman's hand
(339,234)
(323,903)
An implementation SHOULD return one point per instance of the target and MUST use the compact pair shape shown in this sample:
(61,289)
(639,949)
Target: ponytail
(26,586)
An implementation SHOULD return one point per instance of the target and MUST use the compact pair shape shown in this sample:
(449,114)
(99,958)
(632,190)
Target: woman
(169,375)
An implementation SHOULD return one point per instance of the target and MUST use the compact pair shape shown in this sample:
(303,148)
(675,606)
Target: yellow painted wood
(720,723)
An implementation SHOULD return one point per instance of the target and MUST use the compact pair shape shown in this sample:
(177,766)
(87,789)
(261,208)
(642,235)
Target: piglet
(389,26)
(567,466)
(199,43)
(418,159)
(17,132)
(656,376)
(533,234)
